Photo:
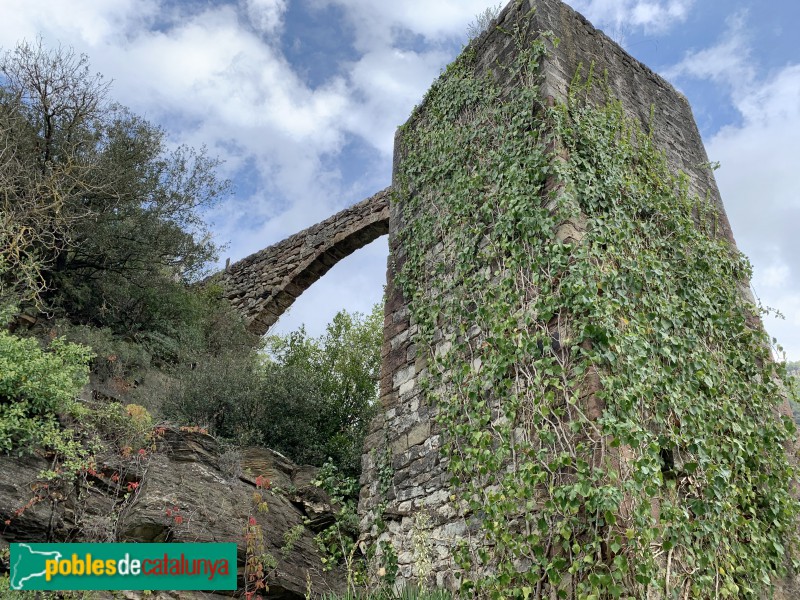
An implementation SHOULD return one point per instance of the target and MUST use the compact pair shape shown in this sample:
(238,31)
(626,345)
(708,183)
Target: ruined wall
(265,284)
(406,498)
(411,515)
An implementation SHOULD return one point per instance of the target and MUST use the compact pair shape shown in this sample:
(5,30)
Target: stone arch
(265,284)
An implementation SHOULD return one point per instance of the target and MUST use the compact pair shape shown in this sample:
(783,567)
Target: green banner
(123,567)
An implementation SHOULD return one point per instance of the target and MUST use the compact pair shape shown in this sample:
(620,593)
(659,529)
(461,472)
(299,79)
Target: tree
(310,398)
(45,101)
(101,215)
(346,360)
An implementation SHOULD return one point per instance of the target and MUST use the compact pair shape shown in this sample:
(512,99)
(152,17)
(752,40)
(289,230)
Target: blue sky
(301,99)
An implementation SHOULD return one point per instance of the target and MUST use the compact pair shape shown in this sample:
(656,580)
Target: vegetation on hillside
(36,385)
(101,235)
(101,240)
(309,398)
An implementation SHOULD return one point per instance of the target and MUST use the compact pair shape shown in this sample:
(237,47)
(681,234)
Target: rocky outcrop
(185,490)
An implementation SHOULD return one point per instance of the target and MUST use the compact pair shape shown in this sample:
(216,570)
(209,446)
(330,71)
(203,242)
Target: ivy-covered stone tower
(578,398)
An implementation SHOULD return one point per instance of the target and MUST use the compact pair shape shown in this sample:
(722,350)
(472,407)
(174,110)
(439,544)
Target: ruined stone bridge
(407,492)
(265,284)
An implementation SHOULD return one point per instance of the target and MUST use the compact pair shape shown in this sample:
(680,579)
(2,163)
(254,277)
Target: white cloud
(379,24)
(619,16)
(222,86)
(386,84)
(776,275)
(86,20)
(388,79)
(729,62)
(760,160)
(266,15)
(214,73)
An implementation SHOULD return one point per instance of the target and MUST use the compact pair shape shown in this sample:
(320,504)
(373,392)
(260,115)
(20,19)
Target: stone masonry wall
(405,499)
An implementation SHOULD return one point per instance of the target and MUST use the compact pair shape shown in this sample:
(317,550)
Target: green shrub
(408,593)
(126,429)
(222,393)
(35,384)
(240,399)
(114,357)
(311,400)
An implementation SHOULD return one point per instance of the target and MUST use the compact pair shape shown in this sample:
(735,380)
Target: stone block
(402,375)
(399,445)
(419,434)
(406,387)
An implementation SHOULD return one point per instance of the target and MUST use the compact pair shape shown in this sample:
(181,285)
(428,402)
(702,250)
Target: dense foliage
(100,219)
(346,362)
(35,385)
(608,406)
(309,398)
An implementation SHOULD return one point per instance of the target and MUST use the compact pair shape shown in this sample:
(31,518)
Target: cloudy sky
(301,98)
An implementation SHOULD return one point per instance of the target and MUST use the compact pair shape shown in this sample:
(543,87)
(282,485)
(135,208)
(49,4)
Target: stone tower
(444,500)
(577,395)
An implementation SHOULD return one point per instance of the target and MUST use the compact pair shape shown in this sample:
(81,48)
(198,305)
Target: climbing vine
(607,393)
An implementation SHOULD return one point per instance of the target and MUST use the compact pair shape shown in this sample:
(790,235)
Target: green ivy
(338,542)
(608,396)
(408,593)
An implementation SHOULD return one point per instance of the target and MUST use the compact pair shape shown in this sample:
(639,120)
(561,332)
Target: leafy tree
(346,361)
(44,101)
(310,398)
(100,219)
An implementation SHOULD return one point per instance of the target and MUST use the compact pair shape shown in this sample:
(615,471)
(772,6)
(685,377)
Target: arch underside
(265,284)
